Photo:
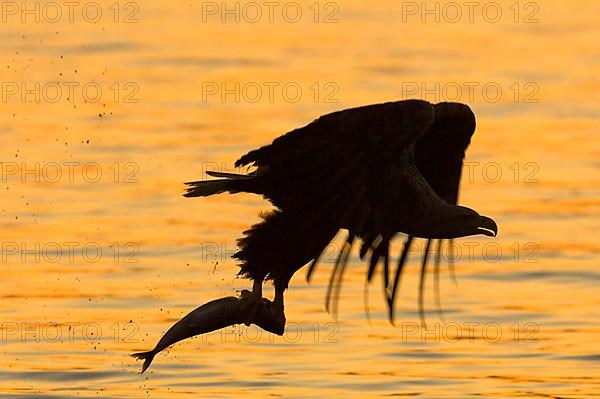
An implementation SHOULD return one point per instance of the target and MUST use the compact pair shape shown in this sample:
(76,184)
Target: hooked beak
(487,226)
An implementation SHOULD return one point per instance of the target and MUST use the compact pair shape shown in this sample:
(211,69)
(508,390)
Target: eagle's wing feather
(439,155)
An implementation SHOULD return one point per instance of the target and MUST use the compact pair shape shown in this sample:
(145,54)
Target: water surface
(101,254)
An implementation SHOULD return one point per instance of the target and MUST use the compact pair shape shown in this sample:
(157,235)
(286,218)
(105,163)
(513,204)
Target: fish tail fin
(146,356)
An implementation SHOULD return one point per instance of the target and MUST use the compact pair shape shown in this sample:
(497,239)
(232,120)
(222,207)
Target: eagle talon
(251,303)
(276,316)
(260,311)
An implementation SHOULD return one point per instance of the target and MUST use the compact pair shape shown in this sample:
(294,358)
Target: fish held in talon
(375,171)
(213,316)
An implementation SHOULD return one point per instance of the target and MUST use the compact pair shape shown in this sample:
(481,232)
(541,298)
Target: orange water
(522,321)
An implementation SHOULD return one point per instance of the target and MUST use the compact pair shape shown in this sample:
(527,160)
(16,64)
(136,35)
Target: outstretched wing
(439,155)
(344,164)
(349,151)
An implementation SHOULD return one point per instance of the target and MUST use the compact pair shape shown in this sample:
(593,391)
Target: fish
(211,316)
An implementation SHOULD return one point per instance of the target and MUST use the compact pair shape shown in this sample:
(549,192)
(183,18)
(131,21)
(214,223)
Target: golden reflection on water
(99,260)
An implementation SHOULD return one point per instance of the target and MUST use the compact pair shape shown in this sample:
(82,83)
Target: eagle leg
(251,302)
(279,314)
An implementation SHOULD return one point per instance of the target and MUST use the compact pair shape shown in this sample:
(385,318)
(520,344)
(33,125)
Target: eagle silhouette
(375,171)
